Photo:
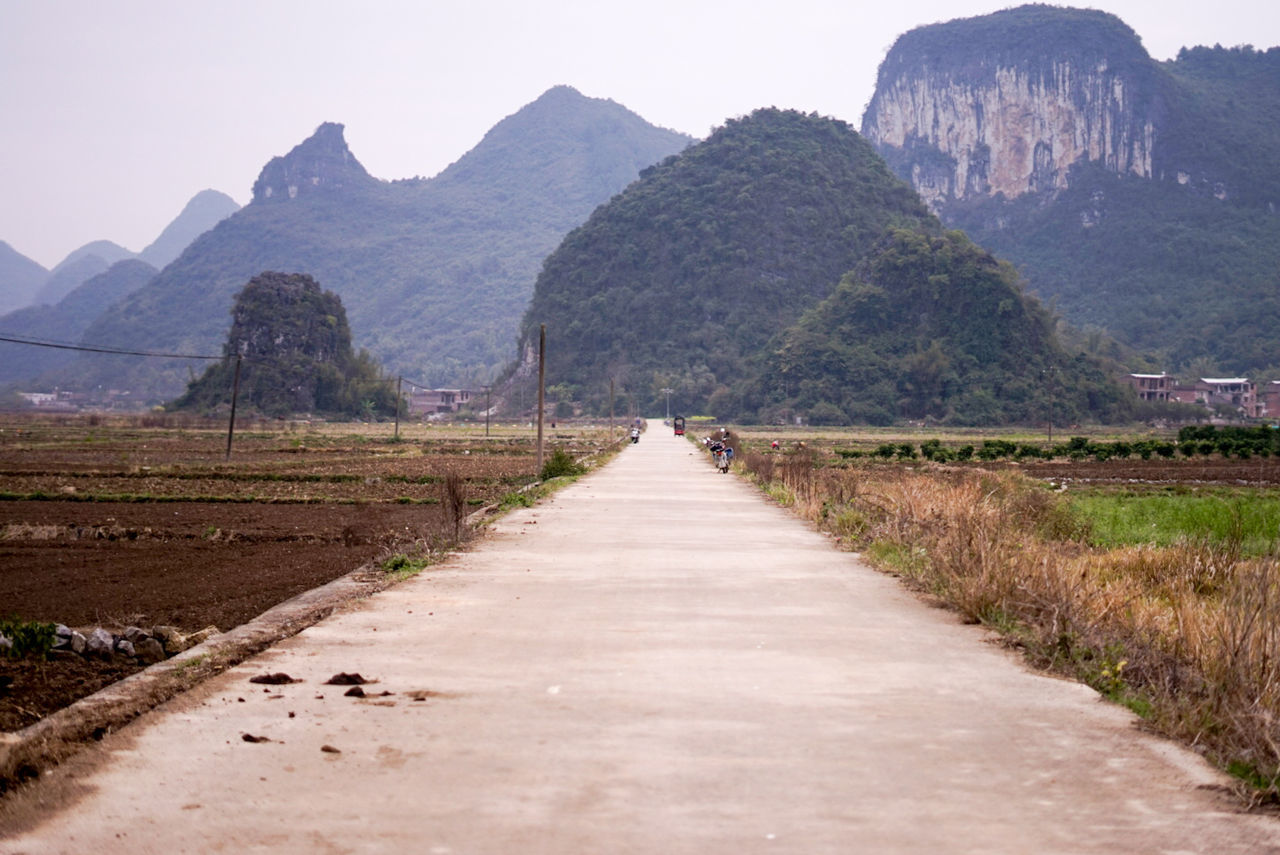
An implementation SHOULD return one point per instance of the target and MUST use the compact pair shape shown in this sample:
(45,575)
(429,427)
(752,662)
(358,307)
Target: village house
(1151,387)
(1269,400)
(1239,393)
(434,401)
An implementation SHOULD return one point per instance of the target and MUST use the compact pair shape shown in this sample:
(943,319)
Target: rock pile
(145,646)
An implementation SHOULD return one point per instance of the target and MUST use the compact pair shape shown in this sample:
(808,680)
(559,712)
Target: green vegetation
(28,638)
(297,353)
(1187,278)
(1034,36)
(931,327)
(434,272)
(1182,266)
(401,566)
(721,275)
(1123,519)
(687,274)
(559,464)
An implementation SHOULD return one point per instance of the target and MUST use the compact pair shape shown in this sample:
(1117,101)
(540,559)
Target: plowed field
(113,524)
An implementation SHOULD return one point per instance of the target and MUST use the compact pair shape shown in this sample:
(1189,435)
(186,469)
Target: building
(432,401)
(1237,392)
(1151,387)
(1269,400)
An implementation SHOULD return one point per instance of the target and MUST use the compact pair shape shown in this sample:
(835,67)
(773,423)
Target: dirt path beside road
(654,660)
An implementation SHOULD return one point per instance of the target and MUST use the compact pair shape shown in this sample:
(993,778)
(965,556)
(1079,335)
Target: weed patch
(1168,605)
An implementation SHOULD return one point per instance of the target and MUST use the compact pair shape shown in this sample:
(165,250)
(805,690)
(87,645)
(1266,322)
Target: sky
(114,113)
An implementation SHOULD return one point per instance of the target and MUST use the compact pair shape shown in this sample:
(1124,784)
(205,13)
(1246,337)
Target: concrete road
(655,661)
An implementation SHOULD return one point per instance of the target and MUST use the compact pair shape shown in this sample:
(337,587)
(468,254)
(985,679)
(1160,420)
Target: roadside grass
(1184,633)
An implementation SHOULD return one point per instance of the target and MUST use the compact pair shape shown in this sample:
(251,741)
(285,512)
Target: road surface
(656,660)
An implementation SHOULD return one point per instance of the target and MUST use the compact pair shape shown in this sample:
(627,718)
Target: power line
(112,350)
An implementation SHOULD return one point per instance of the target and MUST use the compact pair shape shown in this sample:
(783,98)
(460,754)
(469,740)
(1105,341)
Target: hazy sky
(116,112)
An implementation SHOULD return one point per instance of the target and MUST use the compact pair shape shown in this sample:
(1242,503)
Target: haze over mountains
(434,273)
(59,305)
(751,271)
(24,283)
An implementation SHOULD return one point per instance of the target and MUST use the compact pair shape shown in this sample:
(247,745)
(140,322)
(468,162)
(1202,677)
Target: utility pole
(668,394)
(1048,372)
(542,382)
(611,409)
(235,393)
(399,380)
(487,389)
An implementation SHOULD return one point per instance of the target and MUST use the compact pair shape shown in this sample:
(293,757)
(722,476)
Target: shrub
(559,464)
(29,638)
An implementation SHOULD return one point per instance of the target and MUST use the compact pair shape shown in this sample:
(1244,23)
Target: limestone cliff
(320,162)
(1008,103)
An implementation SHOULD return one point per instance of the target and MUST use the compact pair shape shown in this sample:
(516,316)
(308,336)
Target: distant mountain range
(24,282)
(65,322)
(786,266)
(1139,196)
(20,279)
(434,273)
(59,305)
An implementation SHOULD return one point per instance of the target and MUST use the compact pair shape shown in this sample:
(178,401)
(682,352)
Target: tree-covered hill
(1179,275)
(1163,231)
(693,277)
(434,273)
(295,344)
(931,326)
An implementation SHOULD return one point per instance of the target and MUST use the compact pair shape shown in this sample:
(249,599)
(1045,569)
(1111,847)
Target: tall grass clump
(1185,633)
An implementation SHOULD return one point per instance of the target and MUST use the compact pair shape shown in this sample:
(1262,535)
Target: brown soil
(1257,471)
(116,524)
(189,565)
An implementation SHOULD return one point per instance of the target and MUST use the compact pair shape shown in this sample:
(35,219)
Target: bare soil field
(1257,472)
(109,523)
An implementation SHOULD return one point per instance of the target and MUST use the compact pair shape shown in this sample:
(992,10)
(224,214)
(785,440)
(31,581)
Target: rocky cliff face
(1006,104)
(320,162)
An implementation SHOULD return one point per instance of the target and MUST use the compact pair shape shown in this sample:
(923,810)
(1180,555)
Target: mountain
(1139,196)
(78,267)
(204,211)
(65,322)
(718,276)
(20,279)
(297,357)
(24,283)
(931,326)
(434,273)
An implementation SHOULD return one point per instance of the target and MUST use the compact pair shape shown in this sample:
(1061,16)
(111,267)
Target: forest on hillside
(779,270)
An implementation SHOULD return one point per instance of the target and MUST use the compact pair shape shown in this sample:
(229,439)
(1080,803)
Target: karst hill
(1140,195)
(718,275)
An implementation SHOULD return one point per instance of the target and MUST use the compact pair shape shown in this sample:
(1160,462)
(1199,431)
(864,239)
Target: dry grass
(1187,636)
